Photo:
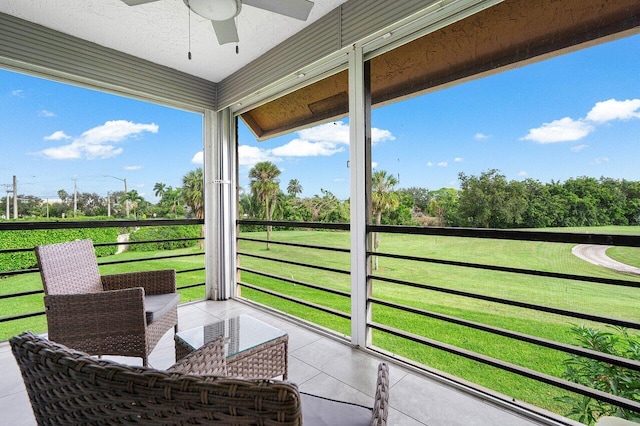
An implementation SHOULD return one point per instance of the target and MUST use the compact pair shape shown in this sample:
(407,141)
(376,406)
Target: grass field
(605,300)
(596,299)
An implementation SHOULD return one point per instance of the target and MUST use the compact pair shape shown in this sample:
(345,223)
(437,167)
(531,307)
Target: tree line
(487,200)
(184,201)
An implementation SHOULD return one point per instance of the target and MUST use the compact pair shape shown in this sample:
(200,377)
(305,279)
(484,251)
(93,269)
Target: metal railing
(9,296)
(416,284)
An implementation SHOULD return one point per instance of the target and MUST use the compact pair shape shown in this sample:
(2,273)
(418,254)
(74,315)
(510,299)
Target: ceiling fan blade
(226,31)
(298,9)
(137,2)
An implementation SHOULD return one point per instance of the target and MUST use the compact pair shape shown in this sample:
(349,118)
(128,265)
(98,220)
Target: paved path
(597,255)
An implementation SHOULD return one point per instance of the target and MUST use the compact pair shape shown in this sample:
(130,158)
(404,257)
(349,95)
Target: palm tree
(193,195)
(131,199)
(193,192)
(172,197)
(294,188)
(159,189)
(265,185)
(383,198)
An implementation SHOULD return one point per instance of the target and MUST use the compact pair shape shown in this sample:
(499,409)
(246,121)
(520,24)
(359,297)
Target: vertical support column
(360,193)
(210,134)
(220,204)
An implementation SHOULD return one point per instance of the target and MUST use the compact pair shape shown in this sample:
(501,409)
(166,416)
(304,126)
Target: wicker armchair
(121,314)
(67,387)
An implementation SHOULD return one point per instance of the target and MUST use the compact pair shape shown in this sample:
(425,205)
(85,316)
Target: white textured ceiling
(159,31)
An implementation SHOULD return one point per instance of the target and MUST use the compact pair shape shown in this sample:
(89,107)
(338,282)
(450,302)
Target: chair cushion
(157,305)
(318,411)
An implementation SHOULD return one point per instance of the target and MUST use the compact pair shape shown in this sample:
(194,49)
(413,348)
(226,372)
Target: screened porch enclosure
(357,56)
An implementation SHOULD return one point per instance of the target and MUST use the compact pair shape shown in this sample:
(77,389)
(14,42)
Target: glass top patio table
(252,348)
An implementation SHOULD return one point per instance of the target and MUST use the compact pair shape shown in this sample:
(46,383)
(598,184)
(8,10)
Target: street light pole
(126,202)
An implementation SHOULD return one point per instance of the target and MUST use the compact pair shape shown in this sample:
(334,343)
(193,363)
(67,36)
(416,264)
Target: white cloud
(250,155)
(443,164)
(305,148)
(198,158)
(57,136)
(565,129)
(336,132)
(380,135)
(132,168)
(45,113)
(579,148)
(600,160)
(98,142)
(323,140)
(522,173)
(116,131)
(18,93)
(568,129)
(458,160)
(481,136)
(374,164)
(429,164)
(614,110)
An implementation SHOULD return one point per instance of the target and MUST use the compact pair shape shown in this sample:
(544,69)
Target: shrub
(151,233)
(36,237)
(603,376)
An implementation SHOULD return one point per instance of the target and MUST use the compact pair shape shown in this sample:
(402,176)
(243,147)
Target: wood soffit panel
(503,36)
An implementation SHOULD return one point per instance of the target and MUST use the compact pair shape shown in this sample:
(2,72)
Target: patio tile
(440,405)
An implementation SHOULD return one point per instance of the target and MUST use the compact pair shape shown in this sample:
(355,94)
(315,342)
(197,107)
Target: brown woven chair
(120,314)
(67,387)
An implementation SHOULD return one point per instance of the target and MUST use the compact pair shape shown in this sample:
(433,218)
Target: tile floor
(319,365)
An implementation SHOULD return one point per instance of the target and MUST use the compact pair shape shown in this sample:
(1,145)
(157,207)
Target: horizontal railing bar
(552,344)
(200,284)
(121,243)
(300,283)
(184,271)
(289,262)
(21,316)
(130,243)
(15,250)
(508,234)
(146,259)
(21,294)
(314,225)
(512,368)
(573,314)
(560,275)
(118,223)
(296,300)
(282,243)
(18,272)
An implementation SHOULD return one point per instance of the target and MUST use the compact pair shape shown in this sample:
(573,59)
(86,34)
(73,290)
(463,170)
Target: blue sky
(573,115)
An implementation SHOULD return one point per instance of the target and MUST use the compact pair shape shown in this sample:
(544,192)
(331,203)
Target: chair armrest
(209,360)
(381,402)
(89,316)
(153,282)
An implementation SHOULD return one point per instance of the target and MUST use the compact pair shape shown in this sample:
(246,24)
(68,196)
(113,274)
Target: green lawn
(552,257)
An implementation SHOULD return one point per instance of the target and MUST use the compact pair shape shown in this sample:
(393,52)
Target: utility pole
(15,197)
(75,197)
(108,204)
(8,215)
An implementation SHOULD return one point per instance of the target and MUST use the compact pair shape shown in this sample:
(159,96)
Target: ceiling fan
(222,12)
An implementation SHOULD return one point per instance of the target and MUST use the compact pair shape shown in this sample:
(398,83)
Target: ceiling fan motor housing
(215,10)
